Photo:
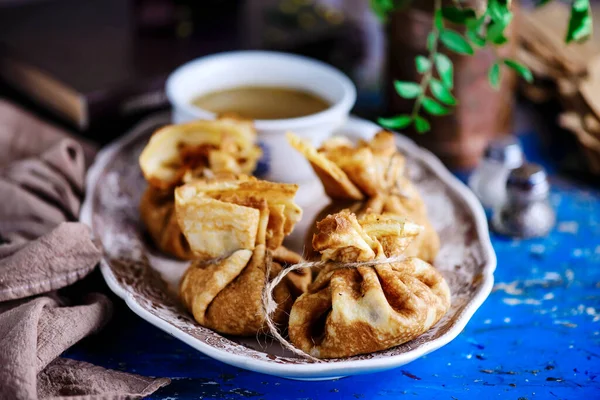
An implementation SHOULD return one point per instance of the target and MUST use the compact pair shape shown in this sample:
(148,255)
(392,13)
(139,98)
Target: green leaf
(476,24)
(539,3)
(445,70)
(397,122)
(580,5)
(433,107)
(474,31)
(382,8)
(431,38)
(494,75)
(520,69)
(441,93)
(407,90)
(438,20)
(494,10)
(501,16)
(500,41)
(580,22)
(421,124)
(455,42)
(495,31)
(423,64)
(475,38)
(457,15)
(499,10)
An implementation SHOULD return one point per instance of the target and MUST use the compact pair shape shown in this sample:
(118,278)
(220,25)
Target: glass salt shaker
(527,211)
(488,180)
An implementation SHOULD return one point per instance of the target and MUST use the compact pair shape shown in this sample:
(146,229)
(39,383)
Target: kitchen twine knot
(270,305)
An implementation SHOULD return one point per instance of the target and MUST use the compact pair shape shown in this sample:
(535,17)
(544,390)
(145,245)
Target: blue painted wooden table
(537,335)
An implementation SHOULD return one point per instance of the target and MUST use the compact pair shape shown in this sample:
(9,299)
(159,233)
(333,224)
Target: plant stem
(498,60)
(432,52)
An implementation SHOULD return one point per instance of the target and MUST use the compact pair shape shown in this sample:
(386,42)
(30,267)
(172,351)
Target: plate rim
(309,370)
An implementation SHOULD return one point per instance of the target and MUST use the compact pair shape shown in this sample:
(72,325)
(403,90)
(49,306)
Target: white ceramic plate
(147,280)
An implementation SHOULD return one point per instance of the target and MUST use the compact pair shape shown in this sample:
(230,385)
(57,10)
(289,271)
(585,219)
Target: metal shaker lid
(506,151)
(528,182)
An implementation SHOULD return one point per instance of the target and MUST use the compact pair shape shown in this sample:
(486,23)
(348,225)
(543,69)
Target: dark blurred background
(98,66)
(114,50)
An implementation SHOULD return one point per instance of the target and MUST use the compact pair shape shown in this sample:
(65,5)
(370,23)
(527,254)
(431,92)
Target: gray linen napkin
(23,135)
(41,251)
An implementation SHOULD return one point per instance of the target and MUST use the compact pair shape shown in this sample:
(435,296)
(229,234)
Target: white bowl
(265,68)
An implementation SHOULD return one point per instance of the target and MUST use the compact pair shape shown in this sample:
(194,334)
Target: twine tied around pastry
(270,305)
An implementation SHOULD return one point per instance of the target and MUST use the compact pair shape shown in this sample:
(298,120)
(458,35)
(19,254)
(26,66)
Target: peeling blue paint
(537,336)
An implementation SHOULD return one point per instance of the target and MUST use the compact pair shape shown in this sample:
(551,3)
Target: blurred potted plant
(452,70)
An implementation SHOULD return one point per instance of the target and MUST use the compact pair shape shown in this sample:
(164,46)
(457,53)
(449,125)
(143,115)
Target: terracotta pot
(483,113)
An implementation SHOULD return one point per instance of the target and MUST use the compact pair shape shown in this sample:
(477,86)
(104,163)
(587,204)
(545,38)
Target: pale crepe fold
(222,215)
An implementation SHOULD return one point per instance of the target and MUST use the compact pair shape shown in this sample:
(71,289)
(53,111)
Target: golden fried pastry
(157,211)
(177,151)
(235,229)
(181,153)
(369,177)
(225,294)
(350,311)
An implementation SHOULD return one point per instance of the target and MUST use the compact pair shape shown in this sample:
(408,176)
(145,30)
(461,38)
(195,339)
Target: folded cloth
(39,193)
(42,250)
(22,135)
(57,259)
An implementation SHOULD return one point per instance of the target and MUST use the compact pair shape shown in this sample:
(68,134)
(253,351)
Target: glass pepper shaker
(488,180)
(526,211)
